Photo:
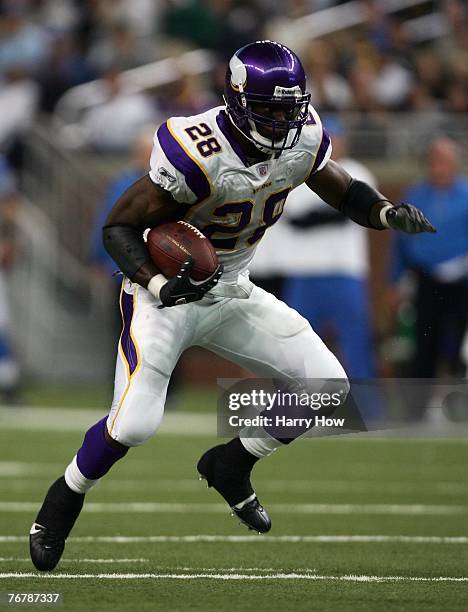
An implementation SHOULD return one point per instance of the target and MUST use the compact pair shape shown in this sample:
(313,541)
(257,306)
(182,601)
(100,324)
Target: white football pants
(259,332)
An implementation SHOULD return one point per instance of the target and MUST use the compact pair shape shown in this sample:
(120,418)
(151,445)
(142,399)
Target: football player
(228,172)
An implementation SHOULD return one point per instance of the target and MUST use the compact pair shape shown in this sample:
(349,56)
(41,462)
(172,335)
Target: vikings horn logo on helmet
(265,95)
(238,73)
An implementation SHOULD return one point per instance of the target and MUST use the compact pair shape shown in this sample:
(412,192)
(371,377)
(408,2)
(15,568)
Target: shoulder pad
(176,144)
(316,140)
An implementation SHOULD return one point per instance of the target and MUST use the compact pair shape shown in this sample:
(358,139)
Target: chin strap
(256,138)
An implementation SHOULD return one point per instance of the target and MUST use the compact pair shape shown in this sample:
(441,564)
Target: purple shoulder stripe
(323,148)
(224,125)
(179,158)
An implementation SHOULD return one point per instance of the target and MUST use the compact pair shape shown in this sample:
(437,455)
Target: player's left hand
(182,289)
(407,218)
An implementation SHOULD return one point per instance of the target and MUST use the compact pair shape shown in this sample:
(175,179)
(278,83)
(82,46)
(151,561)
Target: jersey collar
(224,125)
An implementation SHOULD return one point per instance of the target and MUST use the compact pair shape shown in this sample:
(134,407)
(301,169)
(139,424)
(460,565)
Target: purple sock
(96,457)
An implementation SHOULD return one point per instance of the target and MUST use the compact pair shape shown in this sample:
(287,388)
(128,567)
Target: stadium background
(80,80)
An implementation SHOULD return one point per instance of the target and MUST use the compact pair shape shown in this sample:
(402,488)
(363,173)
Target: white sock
(258,442)
(75,479)
(241,504)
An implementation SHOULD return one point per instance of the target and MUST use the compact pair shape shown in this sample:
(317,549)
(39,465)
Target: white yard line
(164,567)
(36,418)
(219,576)
(256,539)
(27,468)
(169,508)
(28,560)
(14,470)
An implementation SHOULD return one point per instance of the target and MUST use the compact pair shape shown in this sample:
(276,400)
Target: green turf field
(357,525)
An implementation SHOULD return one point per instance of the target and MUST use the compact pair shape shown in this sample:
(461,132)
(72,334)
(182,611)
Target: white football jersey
(233,202)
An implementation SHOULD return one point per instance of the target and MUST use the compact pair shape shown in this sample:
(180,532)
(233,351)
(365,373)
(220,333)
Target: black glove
(407,218)
(181,289)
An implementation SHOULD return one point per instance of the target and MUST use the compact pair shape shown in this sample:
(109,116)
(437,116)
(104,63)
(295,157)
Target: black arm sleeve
(126,246)
(358,201)
(317,218)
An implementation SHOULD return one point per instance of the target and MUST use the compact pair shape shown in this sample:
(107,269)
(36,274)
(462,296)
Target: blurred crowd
(50,46)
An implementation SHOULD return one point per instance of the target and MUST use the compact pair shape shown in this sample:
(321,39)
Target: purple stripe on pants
(126,341)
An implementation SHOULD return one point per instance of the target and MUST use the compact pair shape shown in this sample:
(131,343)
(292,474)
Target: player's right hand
(181,289)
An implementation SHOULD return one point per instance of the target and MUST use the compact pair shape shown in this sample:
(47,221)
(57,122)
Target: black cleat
(232,481)
(53,523)
(46,547)
(254,516)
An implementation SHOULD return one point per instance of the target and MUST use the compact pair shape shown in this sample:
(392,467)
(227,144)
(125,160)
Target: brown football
(170,244)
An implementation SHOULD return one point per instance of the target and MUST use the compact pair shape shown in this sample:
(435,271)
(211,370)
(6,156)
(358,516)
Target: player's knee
(341,384)
(133,435)
(338,381)
(134,432)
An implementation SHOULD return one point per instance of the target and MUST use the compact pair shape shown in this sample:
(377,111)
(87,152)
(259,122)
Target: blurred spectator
(9,203)
(22,43)
(18,102)
(400,44)
(58,16)
(141,16)
(66,67)
(193,21)
(221,25)
(439,263)
(457,97)
(362,77)
(188,96)
(119,45)
(455,43)
(329,90)
(112,125)
(369,125)
(378,26)
(430,72)
(392,83)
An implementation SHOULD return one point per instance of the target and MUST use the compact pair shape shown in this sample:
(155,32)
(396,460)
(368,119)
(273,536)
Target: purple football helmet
(265,95)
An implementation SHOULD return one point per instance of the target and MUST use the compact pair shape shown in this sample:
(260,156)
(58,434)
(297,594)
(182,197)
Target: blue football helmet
(265,95)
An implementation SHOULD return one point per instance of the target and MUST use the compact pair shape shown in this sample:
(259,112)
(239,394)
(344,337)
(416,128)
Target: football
(170,244)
